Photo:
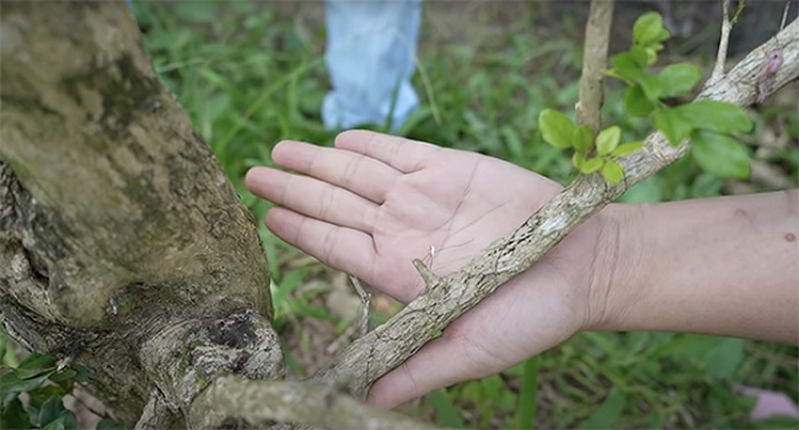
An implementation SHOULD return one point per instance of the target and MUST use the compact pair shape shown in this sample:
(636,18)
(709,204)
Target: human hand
(373,203)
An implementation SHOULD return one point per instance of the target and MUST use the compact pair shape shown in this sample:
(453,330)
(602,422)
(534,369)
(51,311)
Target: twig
(595,54)
(343,338)
(724,41)
(785,14)
(447,298)
(262,402)
(366,302)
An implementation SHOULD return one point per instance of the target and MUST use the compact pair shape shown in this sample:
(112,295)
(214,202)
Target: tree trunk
(123,246)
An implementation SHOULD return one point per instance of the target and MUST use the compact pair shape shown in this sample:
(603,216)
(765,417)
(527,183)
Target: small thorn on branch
(428,276)
(366,301)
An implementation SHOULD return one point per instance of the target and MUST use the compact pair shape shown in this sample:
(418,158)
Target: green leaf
(636,103)
(446,412)
(65,376)
(646,191)
(678,79)
(107,424)
(43,393)
(50,411)
(608,139)
(725,358)
(673,125)
(556,128)
(648,29)
(83,373)
(583,138)
(14,416)
(608,414)
(627,67)
(626,149)
(34,364)
(643,56)
(612,172)
(66,421)
(578,160)
(720,155)
(661,37)
(716,116)
(652,88)
(10,383)
(591,165)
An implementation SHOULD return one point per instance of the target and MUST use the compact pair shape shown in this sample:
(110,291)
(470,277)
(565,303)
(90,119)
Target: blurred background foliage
(250,74)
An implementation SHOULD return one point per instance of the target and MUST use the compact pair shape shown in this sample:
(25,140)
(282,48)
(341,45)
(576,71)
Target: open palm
(373,203)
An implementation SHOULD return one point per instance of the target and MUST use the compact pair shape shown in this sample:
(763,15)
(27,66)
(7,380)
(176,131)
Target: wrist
(617,260)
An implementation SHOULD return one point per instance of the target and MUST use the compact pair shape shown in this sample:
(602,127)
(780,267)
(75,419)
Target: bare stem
(724,41)
(785,14)
(595,54)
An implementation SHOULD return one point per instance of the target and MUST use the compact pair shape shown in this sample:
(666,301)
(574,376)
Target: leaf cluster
(38,377)
(708,124)
(591,153)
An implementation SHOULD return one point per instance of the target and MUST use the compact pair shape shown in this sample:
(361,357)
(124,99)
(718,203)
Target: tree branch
(262,403)
(449,297)
(595,54)
(724,40)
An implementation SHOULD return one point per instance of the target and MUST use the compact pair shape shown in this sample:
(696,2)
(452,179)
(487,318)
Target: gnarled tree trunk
(123,246)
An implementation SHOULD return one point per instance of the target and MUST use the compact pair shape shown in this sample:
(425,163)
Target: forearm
(726,266)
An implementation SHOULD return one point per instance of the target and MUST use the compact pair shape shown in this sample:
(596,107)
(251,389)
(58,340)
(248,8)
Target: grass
(249,76)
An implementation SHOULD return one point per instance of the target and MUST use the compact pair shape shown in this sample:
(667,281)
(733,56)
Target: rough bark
(595,54)
(123,246)
(264,402)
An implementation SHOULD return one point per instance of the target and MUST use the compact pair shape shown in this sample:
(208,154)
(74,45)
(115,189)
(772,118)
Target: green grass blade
(528,395)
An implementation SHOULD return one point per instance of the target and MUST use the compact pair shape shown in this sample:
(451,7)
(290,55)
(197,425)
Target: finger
(400,153)
(360,174)
(342,248)
(433,367)
(311,197)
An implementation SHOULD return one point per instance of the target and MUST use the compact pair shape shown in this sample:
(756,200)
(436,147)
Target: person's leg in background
(371,46)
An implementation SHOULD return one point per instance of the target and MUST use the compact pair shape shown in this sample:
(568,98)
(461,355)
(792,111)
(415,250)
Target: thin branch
(447,298)
(595,54)
(785,14)
(262,403)
(366,303)
(724,40)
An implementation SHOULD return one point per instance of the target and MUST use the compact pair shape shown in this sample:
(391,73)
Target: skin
(373,203)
